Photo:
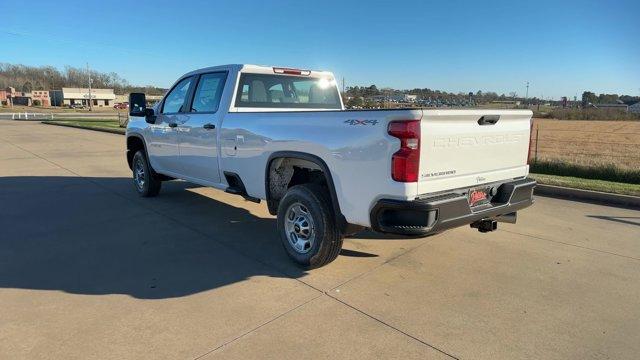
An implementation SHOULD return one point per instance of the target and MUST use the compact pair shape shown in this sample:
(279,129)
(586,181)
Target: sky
(561,48)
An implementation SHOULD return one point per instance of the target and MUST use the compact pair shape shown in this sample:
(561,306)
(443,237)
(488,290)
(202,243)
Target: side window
(177,97)
(208,92)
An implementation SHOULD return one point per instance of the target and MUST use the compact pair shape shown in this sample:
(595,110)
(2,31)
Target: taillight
(405,162)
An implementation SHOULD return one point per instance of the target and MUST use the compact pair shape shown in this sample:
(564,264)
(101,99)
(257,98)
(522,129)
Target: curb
(111,131)
(588,196)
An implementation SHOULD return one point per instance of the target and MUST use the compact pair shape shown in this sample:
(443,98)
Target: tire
(307,226)
(145,181)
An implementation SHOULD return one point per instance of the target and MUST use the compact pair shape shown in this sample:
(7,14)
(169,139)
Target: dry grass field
(591,143)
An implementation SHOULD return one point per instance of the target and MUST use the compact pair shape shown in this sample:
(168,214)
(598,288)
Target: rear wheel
(307,226)
(144,180)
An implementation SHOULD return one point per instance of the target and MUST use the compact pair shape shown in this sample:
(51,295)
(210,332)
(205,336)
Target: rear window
(283,91)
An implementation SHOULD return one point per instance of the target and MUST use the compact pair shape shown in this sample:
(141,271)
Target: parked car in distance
(282,135)
(76,106)
(121,106)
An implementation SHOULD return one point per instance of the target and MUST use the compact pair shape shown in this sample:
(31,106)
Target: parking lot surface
(88,270)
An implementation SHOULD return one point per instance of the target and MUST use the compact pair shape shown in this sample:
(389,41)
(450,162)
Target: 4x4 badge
(361,122)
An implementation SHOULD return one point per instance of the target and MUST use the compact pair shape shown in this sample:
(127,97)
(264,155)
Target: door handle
(172,125)
(209,126)
(489,120)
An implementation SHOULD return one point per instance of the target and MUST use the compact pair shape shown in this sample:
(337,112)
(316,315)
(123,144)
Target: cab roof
(258,69)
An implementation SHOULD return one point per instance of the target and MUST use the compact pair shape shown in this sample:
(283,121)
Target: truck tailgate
(464,148)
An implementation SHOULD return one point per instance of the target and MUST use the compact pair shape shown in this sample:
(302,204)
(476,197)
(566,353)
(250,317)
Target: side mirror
(138,107)
(137,104)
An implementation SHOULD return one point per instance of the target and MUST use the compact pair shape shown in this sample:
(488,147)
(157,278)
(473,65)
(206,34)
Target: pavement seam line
(258,327)
(392,327)
(42,158)
(574,245)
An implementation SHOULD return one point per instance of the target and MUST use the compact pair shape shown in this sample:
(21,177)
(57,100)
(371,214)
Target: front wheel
(307,226)
(144,180)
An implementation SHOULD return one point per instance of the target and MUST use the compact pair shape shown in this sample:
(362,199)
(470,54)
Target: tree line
(29,78)
(426,93)
(589,97)
(481,97)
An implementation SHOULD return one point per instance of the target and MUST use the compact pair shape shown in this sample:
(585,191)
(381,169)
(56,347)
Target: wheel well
(134,144)
(285,172)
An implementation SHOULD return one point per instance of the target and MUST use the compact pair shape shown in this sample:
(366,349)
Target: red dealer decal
(477,196)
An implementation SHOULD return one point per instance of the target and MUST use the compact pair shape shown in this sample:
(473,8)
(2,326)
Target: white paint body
(358,156)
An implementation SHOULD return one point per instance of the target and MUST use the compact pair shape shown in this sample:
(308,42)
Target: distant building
(122,98)
(42,96)
(56,97)
(409,97)
(18,97)
(22,99)
(635,108)
(80,96)
(4,99)
(7,95)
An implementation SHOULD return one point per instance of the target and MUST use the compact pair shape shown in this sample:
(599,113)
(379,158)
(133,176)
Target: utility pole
(526,97)
(90,100)
(343,84)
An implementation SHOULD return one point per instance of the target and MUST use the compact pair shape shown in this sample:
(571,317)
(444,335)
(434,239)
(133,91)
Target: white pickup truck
(282,135)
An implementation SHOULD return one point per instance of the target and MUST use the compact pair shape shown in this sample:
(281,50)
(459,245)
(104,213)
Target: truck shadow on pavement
(631,220)
(95,236)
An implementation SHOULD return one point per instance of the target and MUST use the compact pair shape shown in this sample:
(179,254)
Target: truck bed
(455,151)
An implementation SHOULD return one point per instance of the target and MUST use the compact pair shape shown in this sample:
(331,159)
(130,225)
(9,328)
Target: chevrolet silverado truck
(282,135)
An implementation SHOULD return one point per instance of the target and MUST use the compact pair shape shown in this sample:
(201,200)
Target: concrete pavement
(90,271)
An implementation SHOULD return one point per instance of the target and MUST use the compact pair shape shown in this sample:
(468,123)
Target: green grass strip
(588,184)
(604,172)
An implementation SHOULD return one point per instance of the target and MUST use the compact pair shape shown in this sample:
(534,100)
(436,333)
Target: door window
(208,92)
(176,98)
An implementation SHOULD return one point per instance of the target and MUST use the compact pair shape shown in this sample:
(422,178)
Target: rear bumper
(434,214)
